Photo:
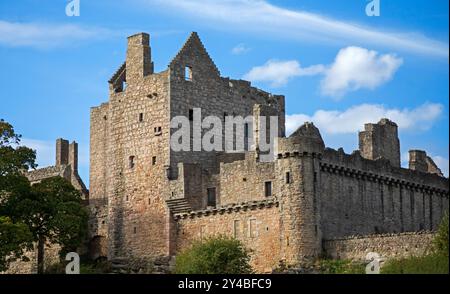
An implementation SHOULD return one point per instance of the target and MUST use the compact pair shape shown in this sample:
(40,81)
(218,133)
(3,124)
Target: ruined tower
(380,140)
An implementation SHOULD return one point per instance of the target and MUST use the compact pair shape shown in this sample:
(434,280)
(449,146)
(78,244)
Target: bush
(440,242)
(215,255)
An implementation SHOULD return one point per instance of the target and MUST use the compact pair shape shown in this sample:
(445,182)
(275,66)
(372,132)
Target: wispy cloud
(260,16)
(278,73)
(240,49)
(44,36)
(353,119)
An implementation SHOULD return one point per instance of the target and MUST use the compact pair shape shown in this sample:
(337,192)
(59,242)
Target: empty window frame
(268,189)
(211,201)
(288,177)
(131,162)
(188,73)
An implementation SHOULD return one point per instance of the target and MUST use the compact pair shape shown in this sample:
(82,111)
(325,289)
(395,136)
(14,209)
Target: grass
(339,266)
(435,263)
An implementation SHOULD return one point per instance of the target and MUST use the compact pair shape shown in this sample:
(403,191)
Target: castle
(147,200)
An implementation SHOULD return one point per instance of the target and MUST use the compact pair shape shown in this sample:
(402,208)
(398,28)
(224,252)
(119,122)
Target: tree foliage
(50,211)
(15,240)
(215,255)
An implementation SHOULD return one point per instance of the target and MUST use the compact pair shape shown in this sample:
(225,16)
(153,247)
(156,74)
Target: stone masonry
(147,200)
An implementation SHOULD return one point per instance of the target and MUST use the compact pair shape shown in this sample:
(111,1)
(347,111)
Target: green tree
(54,213)
(215,255)
(15,238)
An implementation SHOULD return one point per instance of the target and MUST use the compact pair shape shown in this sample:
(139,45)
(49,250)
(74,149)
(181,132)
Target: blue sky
(335,65)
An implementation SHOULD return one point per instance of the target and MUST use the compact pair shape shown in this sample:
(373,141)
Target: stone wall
(386,245)
(361,196)
(215,95)
(256,224)
(51,257)
(129,152)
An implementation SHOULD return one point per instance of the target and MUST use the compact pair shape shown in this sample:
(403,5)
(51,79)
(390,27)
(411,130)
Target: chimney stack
(139,60)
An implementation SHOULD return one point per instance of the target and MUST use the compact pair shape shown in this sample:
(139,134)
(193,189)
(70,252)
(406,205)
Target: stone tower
(298,172)
(380,140)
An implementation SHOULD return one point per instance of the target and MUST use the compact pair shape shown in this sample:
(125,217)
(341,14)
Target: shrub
(215,255)
(440,242)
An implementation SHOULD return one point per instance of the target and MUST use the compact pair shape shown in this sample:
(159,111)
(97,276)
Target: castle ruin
(147,200)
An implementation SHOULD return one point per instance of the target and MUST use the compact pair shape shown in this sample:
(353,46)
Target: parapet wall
(387,245)
(361,196)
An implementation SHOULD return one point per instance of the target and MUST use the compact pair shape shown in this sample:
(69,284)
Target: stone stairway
(178,205)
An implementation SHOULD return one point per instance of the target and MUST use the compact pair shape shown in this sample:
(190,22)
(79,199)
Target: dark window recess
(191,114)
(225,115)
(211,197)
(141,117)
(157,130)
(288,177)
(246,130)
(134,230)
(268,189)
(315,176)
(153,160)
(131,161)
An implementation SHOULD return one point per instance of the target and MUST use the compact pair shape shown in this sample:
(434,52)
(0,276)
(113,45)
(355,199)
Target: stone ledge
(251,205)
(374,236)
(365,175)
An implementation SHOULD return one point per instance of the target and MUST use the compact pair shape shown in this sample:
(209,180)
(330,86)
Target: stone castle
(148,201)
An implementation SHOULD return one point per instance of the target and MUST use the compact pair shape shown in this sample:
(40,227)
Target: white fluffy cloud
(355,68)
(353,119)
(278,73)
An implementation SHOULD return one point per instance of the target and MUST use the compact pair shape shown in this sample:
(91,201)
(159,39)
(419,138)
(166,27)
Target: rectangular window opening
(153,160)
(188,73)
(141,117)
(288,177)
(131,161)
(268,189)
(211,197)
